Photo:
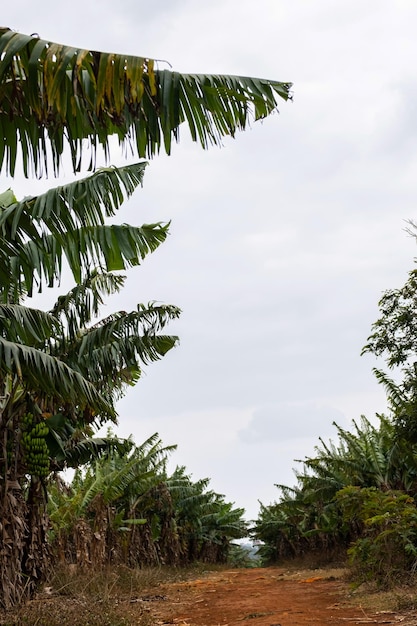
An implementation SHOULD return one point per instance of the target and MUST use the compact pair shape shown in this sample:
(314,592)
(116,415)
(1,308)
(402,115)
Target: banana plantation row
(124,508)
(357,496)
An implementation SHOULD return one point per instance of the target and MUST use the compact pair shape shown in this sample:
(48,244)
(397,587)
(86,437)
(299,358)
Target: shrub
(386,550)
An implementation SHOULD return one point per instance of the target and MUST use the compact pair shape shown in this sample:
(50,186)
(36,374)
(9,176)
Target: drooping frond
(52,94)
(25,325)
(111,247)
(77,308)
(68,221)
(111,353)
(107,247)
(396,394)
(49,376)
(71,444)
(85,202)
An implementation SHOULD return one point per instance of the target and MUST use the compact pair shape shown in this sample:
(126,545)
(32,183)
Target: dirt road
(262,597)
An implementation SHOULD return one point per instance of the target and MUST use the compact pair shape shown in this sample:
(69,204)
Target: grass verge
(116,596)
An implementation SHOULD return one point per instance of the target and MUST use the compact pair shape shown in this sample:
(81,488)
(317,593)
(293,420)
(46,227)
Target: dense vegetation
(358,494)
(124,508)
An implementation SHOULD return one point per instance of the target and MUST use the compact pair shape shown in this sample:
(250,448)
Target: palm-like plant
(106,503)
(52,94)
(205,522)
(61,363)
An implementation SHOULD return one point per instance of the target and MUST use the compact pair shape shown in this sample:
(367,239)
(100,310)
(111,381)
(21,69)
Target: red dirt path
(262,597)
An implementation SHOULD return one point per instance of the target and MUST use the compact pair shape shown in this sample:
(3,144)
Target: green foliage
(124,508)
(308,518)
(395,332)
(68,223)
(394,337)
(386,550)
(242,556)
(52,94)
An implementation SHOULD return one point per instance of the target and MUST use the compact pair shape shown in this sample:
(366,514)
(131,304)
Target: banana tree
(60,365)
(44,429)
(205,523)
(103,515)
(124,508)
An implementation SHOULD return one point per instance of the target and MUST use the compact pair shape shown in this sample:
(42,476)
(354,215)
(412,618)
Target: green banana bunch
(35,448)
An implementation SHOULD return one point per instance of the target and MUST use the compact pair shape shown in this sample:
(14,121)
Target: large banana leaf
(112,352)
(50,377)
(77,308)
(68,222)
(109,247)
(88,368)
(85,202)
(69,446)
(52,94)
(28,326)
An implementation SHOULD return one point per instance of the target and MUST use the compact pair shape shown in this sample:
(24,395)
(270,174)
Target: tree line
(124,508)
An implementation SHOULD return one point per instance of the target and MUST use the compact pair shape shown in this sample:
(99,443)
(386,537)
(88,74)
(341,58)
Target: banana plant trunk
(24,552)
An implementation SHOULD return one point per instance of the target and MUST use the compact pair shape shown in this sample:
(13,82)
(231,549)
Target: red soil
(262,597)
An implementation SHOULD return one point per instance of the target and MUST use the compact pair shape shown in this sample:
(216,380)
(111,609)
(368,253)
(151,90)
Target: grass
(402,598)
(116,596)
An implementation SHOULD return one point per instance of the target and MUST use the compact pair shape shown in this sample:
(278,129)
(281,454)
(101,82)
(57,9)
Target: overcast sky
(283,241)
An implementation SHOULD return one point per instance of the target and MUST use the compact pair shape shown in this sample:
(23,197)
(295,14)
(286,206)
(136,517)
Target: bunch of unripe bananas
(35,447)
